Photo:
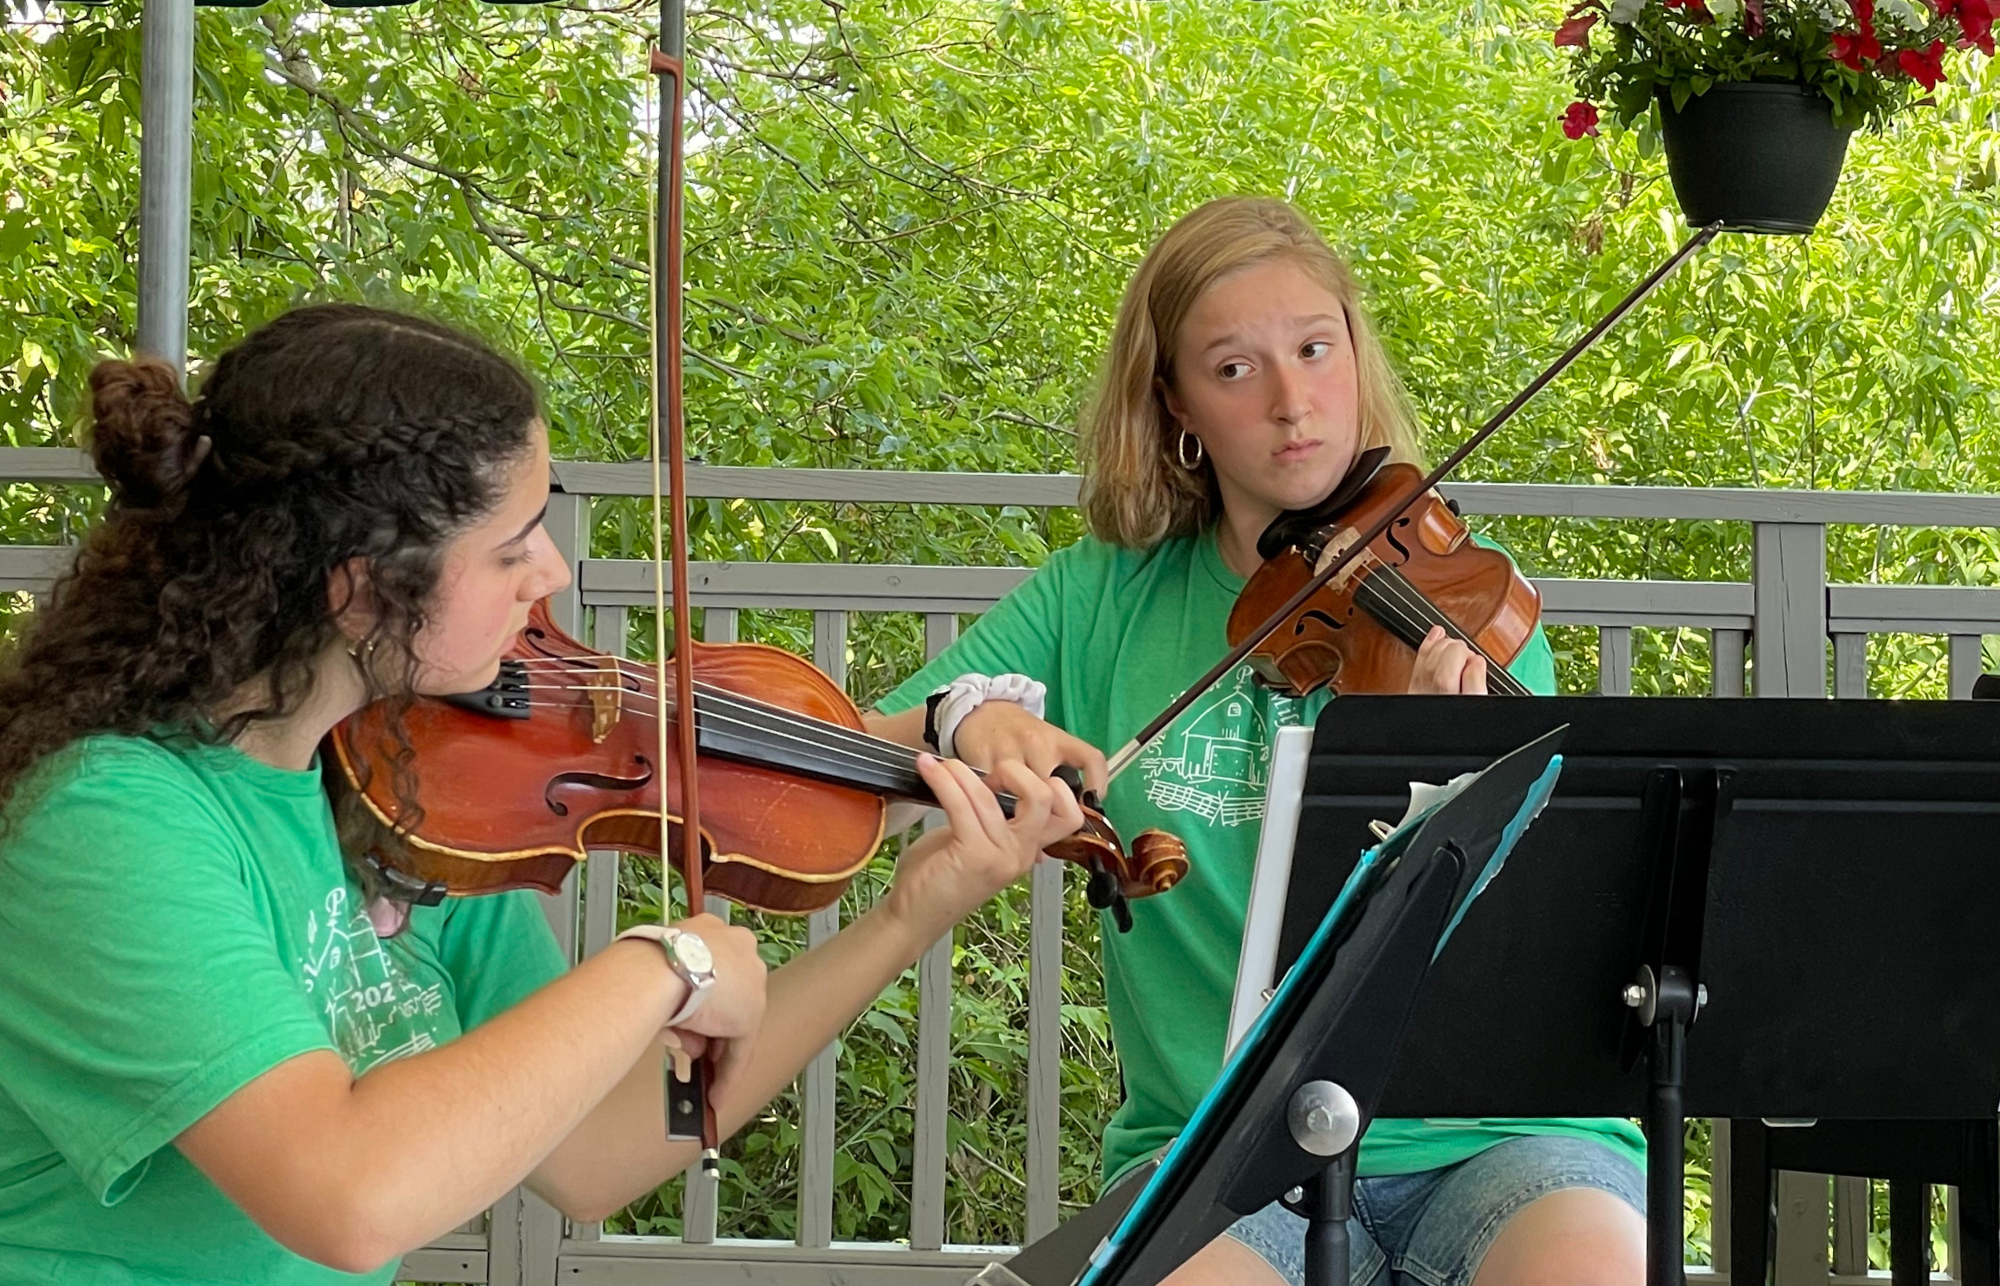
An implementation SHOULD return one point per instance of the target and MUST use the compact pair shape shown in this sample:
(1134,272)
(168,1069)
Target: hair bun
(144,441)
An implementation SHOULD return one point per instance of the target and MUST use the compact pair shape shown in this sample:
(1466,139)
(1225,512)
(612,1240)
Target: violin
(558,756)
(1360,631)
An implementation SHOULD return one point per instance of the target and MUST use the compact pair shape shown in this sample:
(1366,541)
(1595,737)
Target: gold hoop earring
(362,650)
(1181,451)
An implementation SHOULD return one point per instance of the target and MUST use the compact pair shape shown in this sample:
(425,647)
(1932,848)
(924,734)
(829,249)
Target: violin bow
(1130,751)
(690,1113)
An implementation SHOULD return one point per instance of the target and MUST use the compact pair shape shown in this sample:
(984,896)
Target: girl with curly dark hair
(213,1067)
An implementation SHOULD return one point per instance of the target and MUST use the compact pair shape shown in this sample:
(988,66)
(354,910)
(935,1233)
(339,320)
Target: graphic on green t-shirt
(373,1010)
(175,921)
(1215,761)
(1115,634)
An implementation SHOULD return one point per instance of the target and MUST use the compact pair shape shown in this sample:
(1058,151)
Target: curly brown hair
(334,432)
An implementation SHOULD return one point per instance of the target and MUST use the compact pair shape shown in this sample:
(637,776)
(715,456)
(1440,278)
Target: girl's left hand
(952,871)
(1445,665)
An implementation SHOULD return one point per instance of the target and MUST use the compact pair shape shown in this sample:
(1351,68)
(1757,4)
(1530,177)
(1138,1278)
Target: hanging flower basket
(1756,99)
(1757,157)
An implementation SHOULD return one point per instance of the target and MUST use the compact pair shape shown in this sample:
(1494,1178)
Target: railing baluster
(1850,665)
(1851,1213)
(1954,1259)
(1718,1196)
(1966,660)
(933,1111)
(1726,649)
(1614,660)
(817,1092)
(1045,943)
(1802,1213)
(817,1103)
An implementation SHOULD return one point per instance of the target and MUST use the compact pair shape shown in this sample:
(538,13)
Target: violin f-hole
(1397,545)
(1314,614)
(592,781)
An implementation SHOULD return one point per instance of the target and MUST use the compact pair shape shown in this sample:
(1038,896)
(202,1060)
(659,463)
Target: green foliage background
(908,222)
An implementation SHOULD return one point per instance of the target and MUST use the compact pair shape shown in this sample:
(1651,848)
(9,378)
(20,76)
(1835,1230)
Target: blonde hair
(1135,491)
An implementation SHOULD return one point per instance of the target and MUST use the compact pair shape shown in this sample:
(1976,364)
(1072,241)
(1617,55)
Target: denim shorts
(1432,1228)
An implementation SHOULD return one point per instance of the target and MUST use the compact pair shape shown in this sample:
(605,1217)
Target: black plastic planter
(1759,157)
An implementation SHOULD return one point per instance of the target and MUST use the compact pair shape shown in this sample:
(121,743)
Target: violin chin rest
(1295,526)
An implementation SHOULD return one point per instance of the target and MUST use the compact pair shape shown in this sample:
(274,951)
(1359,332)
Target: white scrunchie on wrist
(968,692)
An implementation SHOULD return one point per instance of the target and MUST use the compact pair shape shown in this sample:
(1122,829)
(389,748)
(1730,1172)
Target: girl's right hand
(1000,732)
(735,1004)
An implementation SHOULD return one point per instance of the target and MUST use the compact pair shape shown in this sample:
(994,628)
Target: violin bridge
(607,699)
(1336,545)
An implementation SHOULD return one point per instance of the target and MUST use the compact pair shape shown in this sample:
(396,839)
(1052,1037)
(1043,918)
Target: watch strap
(697,988)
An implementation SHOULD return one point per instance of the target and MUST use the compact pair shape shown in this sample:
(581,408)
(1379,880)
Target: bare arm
(619,1153)
(905,729)
(353,1172)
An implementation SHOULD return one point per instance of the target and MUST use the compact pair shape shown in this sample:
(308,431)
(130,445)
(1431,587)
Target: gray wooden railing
(1782,618)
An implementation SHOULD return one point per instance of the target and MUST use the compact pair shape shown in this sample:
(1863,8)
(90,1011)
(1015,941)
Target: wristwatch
(690,959)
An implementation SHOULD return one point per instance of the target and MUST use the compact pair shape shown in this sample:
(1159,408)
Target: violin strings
(1416,614)
(1426,615)
(721,708)
(885,753)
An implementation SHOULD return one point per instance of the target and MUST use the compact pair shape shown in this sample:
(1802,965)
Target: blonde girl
(1244,380)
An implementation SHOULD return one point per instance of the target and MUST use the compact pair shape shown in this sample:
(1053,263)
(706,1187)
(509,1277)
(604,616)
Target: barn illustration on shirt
(372,1009)
(1214,763)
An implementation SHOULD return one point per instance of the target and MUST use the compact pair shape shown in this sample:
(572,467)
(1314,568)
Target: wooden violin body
(516,783)
(1360,631)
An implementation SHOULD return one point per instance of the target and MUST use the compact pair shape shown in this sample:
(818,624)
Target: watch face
(693,953)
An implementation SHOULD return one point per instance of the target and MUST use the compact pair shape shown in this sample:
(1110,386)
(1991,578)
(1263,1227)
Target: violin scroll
(1159,860)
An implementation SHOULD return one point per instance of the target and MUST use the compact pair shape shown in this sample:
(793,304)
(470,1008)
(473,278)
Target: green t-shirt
(1115,634)
(175,920)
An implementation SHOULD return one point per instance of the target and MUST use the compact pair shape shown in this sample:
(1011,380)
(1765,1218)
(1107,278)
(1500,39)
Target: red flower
(1975,19)
(1927,67)
(1860,48)
(1580,119)
(1753,18)
(1855,51)
(1575,30)
(1692,6)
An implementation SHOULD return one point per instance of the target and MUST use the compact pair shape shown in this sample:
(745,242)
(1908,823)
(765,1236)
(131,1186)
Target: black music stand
(1285,1114)
(1817,879)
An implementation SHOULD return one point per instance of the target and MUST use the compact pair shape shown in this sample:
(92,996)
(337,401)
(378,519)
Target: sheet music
(1257,966)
